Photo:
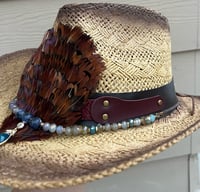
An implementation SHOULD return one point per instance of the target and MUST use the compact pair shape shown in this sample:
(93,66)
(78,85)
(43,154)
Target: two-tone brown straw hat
(95,98)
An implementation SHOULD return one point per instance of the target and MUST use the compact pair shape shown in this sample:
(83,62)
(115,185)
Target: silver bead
(68,131)
(52,128)
(124,125)
(147,120)
(107,127)
(85,130)
(114,126)
(59,129)
(46,126)
(20,125)
(99,127)
(76,130)
(119,125)
(137,122)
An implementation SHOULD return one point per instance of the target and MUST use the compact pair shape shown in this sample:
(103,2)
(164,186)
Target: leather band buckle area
(115,107)
(108,109)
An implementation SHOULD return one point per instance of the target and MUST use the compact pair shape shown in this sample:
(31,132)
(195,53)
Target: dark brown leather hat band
(114,107)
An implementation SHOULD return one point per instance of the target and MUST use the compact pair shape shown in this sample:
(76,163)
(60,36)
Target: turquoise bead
(92,130)
(152,117)
(4,137)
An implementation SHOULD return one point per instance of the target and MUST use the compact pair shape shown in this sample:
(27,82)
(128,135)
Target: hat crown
(133,41)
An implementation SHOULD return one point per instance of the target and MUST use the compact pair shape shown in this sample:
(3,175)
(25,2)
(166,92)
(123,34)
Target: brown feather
(59,77)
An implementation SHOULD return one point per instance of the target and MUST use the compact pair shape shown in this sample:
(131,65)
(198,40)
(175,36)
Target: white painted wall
(22,25)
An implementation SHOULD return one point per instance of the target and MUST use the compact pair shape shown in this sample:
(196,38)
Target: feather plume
(58,79)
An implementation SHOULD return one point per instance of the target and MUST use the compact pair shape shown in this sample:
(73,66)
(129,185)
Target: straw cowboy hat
(95,98)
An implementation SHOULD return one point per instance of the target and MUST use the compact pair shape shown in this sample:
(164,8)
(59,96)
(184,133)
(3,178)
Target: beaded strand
(36,123)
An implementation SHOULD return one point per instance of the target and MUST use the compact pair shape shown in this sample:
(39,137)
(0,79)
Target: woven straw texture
(65,161)
(133,41)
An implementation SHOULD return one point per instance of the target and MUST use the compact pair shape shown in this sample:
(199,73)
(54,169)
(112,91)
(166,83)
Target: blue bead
(46,126)
(4,137)
(59,129)
(131,123)
(92,130)
(15,110)
(12,106)
(20,114)
(35,123)
(26,117)
(124,125)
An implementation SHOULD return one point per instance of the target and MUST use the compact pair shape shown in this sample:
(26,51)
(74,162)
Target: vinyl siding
(23,23)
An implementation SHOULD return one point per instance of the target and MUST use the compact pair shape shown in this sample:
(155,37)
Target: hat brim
(65,161)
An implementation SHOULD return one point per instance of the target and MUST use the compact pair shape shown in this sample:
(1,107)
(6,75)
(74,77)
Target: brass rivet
(105,103)
(160,102)
(105,116)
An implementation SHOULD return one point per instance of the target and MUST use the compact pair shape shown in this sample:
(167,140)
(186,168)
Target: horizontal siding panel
(195,143)
(186,70)
(23,22)
(183,65)
(197,73)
